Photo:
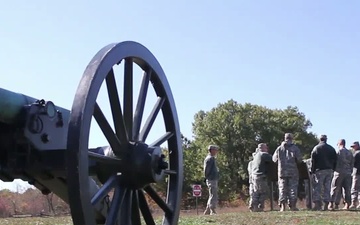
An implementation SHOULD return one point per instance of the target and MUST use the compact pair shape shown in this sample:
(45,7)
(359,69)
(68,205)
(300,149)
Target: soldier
(355,187)
(211,173)
(251,189)
(308,183)
(287,156)
(323,163)
(342,176)
(259,177)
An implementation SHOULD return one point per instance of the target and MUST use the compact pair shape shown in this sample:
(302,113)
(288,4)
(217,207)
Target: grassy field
(229,218)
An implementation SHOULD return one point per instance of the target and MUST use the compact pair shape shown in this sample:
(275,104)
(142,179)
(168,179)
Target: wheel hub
(141,166)
(144,165)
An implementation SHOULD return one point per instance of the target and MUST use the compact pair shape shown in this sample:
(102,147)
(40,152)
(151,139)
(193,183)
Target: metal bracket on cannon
(44,123)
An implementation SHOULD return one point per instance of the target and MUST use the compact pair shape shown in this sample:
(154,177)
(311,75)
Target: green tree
(237,129)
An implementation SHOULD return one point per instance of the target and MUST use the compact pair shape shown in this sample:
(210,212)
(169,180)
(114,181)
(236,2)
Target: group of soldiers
(334,174)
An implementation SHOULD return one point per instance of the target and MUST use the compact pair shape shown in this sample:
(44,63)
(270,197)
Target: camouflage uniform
(287,156)
(251,189)
(323,164)
(342,176)
(251,183)
(355,188)
(211,173)
(259,180)
(308,191)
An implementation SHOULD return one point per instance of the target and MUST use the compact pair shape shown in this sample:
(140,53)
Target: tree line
(31,202)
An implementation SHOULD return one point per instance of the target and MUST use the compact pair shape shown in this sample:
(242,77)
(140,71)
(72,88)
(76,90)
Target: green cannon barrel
(12,107)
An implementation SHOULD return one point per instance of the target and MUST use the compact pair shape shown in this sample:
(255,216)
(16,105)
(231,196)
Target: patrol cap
(323,136)
(289,136)
(356,143)
(261,145)
(213,147)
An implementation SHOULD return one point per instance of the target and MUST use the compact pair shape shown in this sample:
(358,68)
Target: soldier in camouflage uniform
(355,188)
(251,189)
(287,156)
(308,191)
(259,178)
(211,173)
(342,176)
(323,163)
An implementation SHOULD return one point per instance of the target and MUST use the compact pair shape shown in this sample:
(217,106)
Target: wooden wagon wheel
(135,164)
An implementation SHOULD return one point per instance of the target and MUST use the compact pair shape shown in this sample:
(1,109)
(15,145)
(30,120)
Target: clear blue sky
(273,53)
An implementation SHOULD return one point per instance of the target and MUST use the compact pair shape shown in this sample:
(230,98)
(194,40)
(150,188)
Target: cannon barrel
(12,107)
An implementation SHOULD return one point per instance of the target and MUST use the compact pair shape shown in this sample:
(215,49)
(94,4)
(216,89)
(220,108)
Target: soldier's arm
(208,167)
(298,155)
(351,160)
(275,156)
(313,155)
(249,167)
(335,159)
(356,160)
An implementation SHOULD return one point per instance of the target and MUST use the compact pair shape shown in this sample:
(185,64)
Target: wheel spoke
(170,172)
(103,159)
(161,203)
(125,210)
(104,190)
(128,96)
(139,111)
(108,131)
(162,139)
(115,206)
(117,115)
(135,213)
(150,121)
(145,210)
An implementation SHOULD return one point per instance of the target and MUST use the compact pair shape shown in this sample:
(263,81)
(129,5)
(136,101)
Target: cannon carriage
(48,146)
(304,187)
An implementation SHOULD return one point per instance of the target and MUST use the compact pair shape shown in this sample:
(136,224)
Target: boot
(282,207)
(353,205)
(293,206)
(331,206)
(346,206)
(326,206)
(261,207)
(207,211)
(317,206)
(212,212)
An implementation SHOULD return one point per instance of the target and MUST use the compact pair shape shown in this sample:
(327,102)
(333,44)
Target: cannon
(304,177)
(48,146)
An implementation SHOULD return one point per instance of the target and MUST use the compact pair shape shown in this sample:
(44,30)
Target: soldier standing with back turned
(342,176)
(355,188)
(260,167)
(287,156)
(211,173)
(323,162)
(251,189)
(308,183)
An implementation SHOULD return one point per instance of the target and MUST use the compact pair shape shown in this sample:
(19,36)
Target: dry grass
(229,216)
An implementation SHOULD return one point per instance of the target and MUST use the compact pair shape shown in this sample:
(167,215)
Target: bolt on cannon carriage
(48,146)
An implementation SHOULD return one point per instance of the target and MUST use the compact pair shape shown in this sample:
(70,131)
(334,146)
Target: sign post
(196,193)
